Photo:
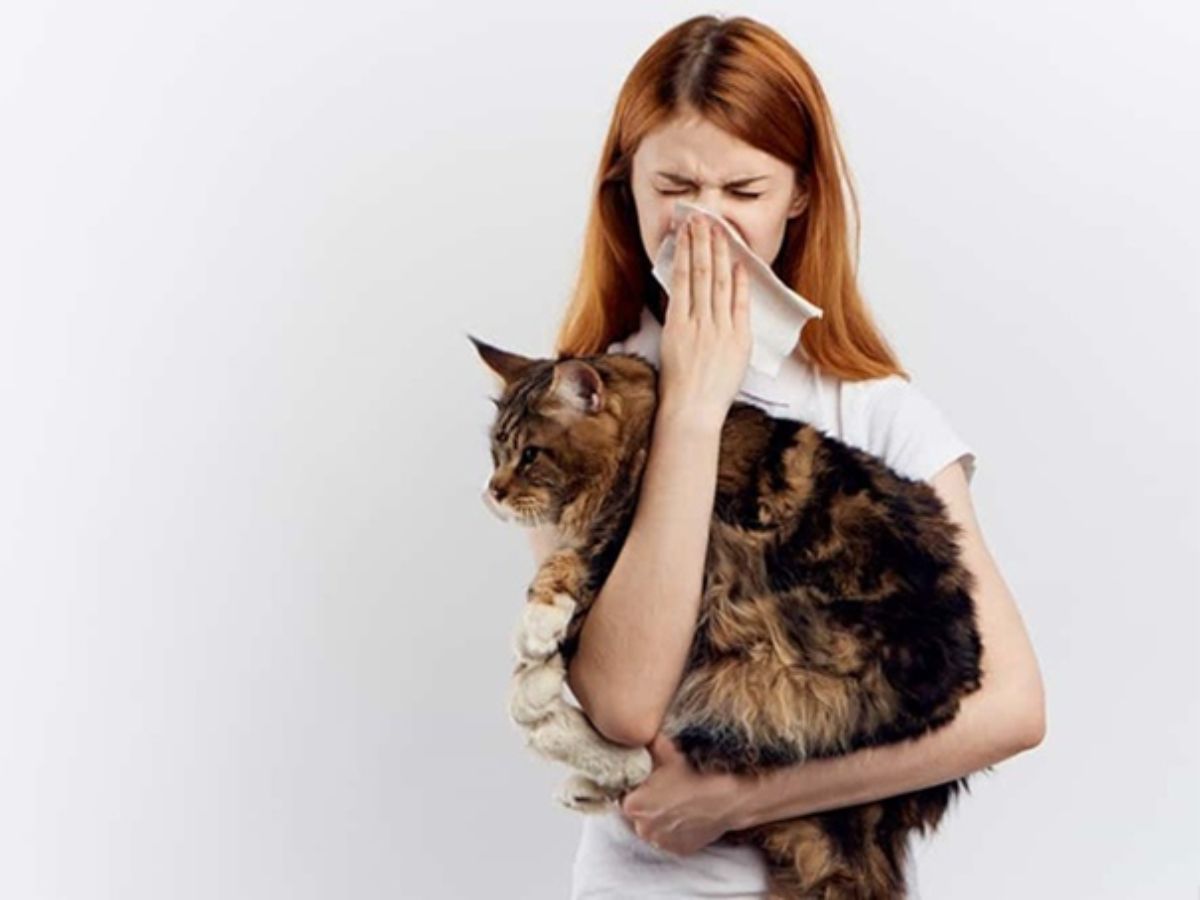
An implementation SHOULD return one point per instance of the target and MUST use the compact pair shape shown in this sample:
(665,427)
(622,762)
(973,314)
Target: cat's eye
(528,455)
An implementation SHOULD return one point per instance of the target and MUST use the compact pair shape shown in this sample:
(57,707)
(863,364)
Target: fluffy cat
(835,610)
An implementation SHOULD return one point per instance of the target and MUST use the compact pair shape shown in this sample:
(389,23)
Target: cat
(829,577)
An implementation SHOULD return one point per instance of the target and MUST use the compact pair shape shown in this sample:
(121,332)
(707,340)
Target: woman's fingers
(703,285)
(679,305)
(740,304)
(722,287)
(702,271)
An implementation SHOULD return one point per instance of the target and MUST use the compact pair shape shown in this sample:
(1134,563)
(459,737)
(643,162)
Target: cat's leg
(534,688)
(800,857)
(535,695)
(554,728)
(543,625)
(552,599)
(560,731)
(805,861)
(582,794)
(567,736)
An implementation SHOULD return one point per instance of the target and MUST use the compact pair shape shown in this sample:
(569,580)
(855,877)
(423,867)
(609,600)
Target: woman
(727,114)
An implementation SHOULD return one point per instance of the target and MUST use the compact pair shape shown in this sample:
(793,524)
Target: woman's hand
(677,808)
(706,333)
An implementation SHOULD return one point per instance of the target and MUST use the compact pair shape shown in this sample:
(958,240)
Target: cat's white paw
(542,626)
(567,736)
(582,794)
(617,768)
(636,767)
(535,688)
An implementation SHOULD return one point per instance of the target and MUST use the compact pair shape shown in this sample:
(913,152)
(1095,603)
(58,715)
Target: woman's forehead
(705,152)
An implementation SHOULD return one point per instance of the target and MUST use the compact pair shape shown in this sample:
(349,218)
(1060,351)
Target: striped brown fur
(836,613)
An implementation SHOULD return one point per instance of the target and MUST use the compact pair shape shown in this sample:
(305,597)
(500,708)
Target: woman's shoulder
(895,419)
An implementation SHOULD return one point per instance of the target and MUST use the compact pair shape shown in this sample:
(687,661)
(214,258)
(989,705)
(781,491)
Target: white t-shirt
(887,417)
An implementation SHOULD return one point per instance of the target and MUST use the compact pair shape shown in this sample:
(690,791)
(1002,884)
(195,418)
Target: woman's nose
(717,199)
(715,206)
(713,202)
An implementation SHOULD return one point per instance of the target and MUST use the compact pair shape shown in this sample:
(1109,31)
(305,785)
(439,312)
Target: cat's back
(890,417)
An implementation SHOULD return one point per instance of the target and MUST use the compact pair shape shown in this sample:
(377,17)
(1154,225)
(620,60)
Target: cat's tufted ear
(578,385)
(508,366)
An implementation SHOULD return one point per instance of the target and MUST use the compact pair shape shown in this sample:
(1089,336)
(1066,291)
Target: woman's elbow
(1035,726)
(625,730)
(1027,709)
(613,717)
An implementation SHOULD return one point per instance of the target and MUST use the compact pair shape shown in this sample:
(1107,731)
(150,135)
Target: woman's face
(690,158)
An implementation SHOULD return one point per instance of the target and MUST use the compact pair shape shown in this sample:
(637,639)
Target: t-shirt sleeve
(909,431)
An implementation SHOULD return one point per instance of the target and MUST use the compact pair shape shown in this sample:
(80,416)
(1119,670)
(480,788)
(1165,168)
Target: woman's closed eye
(746,195)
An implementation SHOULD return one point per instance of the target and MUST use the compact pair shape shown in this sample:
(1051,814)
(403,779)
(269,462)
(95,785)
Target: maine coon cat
(835,610)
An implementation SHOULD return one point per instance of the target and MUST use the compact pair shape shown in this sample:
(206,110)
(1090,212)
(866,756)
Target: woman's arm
(634,642)
(636,637)
(1004,717)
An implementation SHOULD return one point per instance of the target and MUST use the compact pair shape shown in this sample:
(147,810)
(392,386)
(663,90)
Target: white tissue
(777,313)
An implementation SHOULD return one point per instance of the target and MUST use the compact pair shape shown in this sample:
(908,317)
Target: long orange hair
(748,80)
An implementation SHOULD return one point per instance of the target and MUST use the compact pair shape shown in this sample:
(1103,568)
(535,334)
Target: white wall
(255,618)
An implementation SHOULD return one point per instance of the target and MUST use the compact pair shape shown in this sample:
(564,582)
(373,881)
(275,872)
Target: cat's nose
(502,513)
(497,491)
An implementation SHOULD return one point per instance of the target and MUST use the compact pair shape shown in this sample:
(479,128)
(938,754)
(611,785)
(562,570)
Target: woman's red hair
(748,80)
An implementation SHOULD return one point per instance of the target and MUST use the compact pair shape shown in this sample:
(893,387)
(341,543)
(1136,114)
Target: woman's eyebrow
(682,179)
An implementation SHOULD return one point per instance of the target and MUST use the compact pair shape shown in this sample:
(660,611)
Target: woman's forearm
(991,725)
(635,640)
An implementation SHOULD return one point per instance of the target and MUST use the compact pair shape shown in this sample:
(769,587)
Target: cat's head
(568,433)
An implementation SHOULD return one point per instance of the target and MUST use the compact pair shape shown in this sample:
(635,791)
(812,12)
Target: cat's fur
(836,613)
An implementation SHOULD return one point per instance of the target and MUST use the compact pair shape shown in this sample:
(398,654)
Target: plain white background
(254,618)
